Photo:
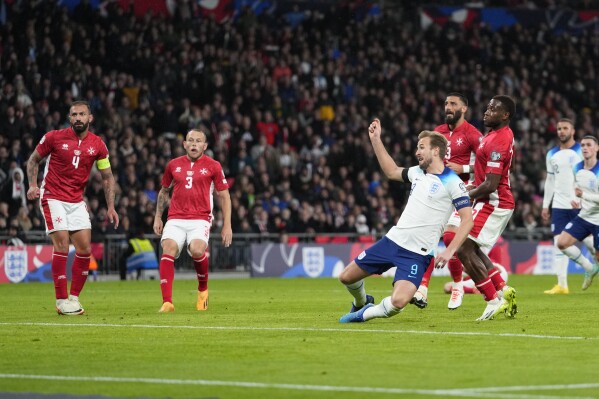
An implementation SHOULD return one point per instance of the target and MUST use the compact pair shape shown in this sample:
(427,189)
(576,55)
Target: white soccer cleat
(455,301)
(494,307)
(69,308)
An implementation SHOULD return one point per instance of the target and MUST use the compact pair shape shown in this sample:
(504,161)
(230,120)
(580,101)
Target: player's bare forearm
(33,164)
(225,205)
(161,201)
(388,165)
(108,185)
(487,187)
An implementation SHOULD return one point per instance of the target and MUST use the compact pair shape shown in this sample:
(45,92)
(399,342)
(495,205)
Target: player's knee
(561,244)
(197,252)
(62,245)
(169,247)
(344,278)
(400,300)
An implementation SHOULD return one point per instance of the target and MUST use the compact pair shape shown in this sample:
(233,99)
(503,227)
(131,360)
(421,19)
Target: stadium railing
(237,258)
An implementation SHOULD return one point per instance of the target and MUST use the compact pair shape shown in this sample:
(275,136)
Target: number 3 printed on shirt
(189,182)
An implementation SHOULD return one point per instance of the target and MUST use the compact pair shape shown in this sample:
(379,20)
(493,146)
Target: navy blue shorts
(580,229)
(560,218)
(385,254)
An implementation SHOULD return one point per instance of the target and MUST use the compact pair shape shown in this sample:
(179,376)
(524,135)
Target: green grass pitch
(280,338)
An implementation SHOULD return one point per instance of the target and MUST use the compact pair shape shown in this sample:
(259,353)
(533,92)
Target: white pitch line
(347,330)
(495,391)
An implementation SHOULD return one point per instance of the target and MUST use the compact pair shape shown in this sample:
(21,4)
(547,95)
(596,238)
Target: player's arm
(548,192)
(161,202)
(487,187)
(464,209)
(459,169)
(388,165)
(109,191)
(225,205)
(586,195)
(33,165)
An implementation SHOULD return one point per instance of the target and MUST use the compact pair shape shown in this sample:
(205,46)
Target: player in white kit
(586,180)
(559,192)
(412,242)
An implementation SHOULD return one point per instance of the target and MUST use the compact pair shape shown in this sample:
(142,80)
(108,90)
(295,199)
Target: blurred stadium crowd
(286,100)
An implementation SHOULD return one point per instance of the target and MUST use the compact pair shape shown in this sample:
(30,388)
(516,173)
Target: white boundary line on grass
(349,330)
(489,392)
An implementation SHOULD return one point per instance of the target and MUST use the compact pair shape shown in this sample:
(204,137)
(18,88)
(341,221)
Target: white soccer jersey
(588,181)
(432,200)
(559,184)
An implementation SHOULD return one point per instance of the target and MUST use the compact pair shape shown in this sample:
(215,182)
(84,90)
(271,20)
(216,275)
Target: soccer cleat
(167,307)
(69,308)
(509,294)
(557,289)
(456,298)
(493,308)
(355,317)
(202,300)
(588,277)
(354,308)
(419,300)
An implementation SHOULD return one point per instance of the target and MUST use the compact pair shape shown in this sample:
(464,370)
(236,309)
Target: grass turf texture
(261,334)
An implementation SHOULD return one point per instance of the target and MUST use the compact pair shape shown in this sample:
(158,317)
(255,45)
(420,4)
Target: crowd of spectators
(286,103)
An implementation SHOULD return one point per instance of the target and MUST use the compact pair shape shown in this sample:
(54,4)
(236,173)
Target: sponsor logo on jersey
(178,169)
(65,146)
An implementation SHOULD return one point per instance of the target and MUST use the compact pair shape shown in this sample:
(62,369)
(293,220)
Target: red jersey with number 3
(70,161)
(494,155)
(462,144)
(193,186)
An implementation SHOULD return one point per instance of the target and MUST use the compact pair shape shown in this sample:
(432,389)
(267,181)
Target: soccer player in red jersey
(71,154)
(463,140)
(192,178)
(492,209)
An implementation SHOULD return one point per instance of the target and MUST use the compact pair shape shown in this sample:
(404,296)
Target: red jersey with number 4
(193,186)
(70,161)
(494,155)
(462,144)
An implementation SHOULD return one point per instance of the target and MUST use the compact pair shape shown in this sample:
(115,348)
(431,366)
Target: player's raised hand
(158,225)
(113,217)
(33,193)
(374,130)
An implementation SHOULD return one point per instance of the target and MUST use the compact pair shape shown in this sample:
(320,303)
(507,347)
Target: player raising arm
(412,242)
(192,178)
(71,154)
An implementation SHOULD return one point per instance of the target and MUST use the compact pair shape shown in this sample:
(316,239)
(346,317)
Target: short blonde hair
(437,141)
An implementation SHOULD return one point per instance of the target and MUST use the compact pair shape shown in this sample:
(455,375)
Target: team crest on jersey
(204,171)
(91,150)
(495,156)
(459,142)
(77,152)
(190,173)
(434,188)
(65,146)
(178,169)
